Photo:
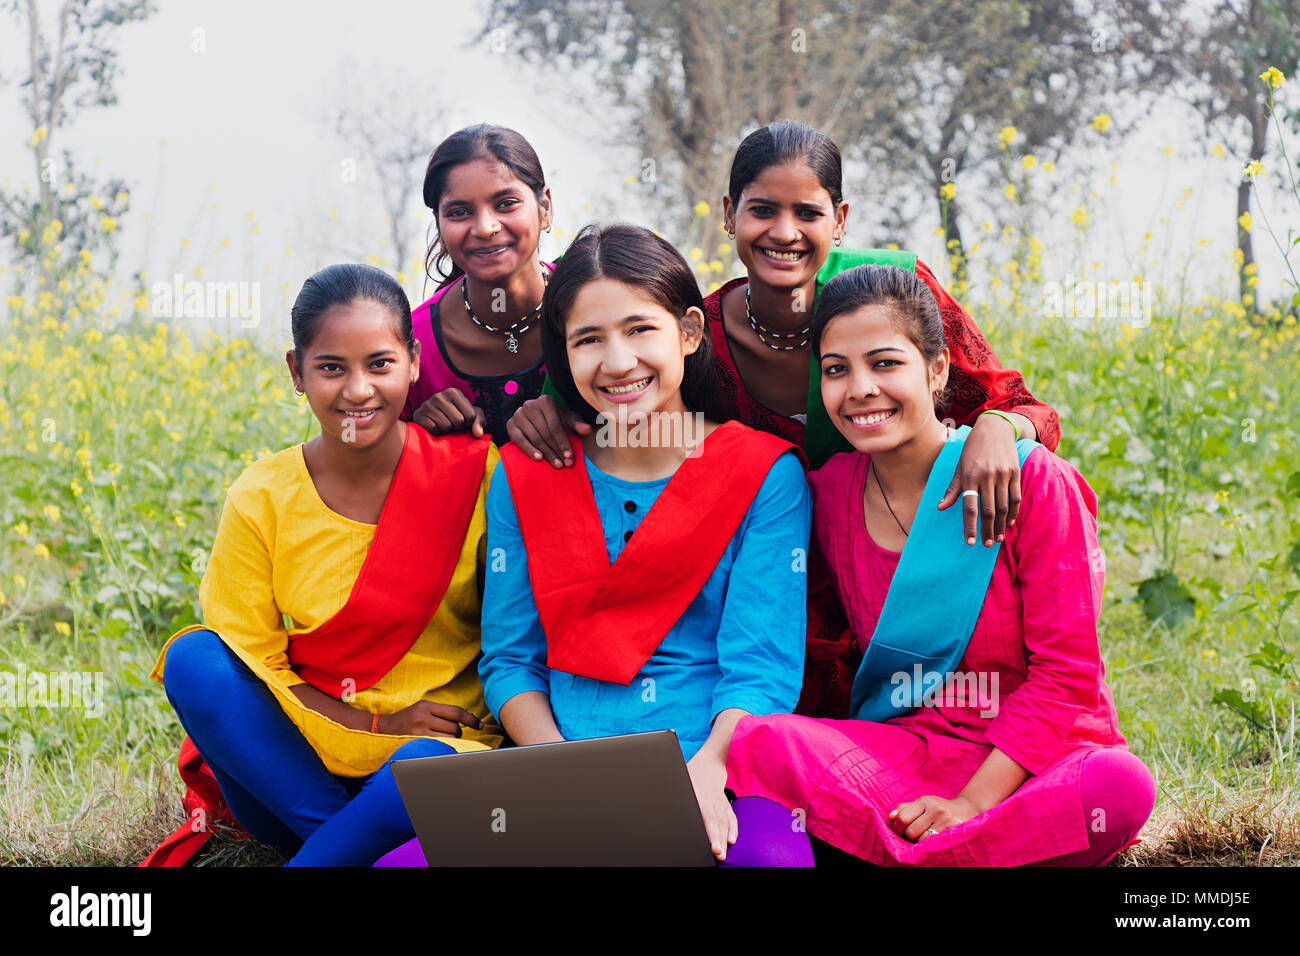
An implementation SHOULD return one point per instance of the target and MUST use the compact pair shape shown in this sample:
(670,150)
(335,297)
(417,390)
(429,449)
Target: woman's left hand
(916,819)
(709,778)
(988,464)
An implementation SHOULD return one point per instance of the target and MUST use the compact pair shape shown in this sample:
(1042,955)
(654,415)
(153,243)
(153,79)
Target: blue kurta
(740,643)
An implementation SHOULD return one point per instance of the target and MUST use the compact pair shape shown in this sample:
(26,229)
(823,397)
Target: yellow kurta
(280,553)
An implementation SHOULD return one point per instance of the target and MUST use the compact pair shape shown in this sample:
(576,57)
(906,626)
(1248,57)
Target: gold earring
(838,240)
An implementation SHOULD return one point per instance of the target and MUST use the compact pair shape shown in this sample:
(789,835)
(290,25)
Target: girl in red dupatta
(661,583)
(340,602)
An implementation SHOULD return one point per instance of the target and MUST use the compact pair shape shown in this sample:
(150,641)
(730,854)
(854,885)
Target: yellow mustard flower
(948,191)
(1101,122)
(1244,221)
(1273,77)
(1007,136)
(62,628)
(700,209)
(1010,191)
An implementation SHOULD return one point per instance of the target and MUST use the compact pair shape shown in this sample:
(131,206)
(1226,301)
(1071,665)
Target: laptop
(607,801)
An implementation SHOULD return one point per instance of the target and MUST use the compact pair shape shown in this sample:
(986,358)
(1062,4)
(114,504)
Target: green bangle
(1003,415)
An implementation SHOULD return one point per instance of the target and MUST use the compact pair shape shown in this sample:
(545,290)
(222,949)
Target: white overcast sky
(239,125)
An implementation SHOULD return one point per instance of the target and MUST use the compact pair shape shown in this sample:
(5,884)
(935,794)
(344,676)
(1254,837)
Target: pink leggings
(1112,781)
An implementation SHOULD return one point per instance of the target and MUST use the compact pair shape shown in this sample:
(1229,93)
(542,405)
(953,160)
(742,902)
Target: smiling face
(355,372)
(489,221)
(626,351)
(785,222)
(876,385)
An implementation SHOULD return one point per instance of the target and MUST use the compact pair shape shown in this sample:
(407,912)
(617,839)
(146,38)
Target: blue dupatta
(933,602)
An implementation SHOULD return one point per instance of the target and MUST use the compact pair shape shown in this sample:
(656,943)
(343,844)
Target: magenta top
(1031,683)
(498,395)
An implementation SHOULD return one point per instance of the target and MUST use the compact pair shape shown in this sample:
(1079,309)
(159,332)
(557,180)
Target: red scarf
(407,569)
(404,577)
(605,622)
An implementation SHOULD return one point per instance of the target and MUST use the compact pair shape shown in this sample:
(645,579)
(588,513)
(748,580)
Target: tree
(967,70)
(693,78)
(389,123)
(72,68)
(921,85)
(1242,39)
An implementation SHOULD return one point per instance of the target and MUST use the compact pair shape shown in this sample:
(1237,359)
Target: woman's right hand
(426,718)
(450,411)
(541,429)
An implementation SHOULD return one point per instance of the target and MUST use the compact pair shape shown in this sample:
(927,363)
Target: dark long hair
(484,141)
(909,298)
(343,284)
(638,258)
(782,142)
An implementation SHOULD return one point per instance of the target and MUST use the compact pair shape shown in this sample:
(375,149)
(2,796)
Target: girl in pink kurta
(942,784)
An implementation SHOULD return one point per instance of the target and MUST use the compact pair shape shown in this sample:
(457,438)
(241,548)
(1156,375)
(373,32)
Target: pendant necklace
(512,343)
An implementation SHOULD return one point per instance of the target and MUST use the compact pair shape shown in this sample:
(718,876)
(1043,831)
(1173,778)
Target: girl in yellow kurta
(302,759)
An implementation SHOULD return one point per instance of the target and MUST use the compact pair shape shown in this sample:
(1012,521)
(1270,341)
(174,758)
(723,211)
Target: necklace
(512,343)
(947,432)
(886,497)
(763,331)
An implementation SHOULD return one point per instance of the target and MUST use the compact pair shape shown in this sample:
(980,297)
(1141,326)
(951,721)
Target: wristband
(1005,417)
(374,724)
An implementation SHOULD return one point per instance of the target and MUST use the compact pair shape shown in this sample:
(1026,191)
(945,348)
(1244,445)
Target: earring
(298,389)
(838,240)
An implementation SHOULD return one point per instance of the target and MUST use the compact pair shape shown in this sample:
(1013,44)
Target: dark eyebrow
(499,194)
(340,358)
(588,329)
(883,348)
(799,205)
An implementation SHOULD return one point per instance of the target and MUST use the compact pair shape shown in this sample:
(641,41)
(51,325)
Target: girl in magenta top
(478,360)
(1018,758)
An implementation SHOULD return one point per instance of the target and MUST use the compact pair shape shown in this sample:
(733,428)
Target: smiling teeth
(870,419)
(369,411)
(783,256)
(622,389)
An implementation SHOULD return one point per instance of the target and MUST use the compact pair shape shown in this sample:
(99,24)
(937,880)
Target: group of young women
(847,568)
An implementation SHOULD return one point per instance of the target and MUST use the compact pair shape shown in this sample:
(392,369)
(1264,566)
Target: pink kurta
(1036,636)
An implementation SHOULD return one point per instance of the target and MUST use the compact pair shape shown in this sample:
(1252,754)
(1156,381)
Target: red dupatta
(425,517)
(605,622)
(421,531)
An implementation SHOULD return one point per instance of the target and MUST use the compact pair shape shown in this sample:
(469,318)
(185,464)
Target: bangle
(1004,416)
(374,724)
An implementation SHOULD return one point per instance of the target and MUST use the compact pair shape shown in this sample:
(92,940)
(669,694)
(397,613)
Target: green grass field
(117,442)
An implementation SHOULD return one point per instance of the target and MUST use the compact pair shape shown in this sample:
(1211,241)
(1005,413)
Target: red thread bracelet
(374,724)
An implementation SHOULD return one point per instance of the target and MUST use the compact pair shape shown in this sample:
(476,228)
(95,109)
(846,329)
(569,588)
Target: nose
(357,389)
(862,384)
(485,224)
(783,228)
(619,358)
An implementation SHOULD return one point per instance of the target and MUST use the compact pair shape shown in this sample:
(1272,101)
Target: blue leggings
(273,781)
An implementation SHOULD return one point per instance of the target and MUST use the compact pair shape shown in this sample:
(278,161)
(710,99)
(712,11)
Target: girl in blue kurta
(691,615)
